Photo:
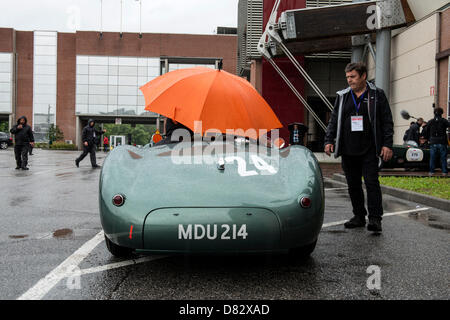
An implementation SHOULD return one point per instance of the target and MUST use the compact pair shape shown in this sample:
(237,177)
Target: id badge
(357,123)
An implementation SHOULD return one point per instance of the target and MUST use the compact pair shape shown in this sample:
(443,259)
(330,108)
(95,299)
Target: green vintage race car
(237,200)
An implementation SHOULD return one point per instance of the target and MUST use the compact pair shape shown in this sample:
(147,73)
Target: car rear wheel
(116,250)
(302,252)
(3,145)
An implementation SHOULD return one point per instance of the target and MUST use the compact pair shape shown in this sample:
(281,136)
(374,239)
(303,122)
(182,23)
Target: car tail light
(305,202)
(118,200)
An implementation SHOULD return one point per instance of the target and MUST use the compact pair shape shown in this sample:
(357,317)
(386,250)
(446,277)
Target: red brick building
(66,78)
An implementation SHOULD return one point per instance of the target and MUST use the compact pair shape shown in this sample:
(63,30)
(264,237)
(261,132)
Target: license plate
(212,231)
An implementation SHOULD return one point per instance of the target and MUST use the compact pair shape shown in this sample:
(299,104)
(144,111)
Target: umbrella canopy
(219,99)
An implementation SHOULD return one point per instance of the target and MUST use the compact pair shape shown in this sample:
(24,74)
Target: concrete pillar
(383,61)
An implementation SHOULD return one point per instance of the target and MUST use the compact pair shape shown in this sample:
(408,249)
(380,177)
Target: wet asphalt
(50,211)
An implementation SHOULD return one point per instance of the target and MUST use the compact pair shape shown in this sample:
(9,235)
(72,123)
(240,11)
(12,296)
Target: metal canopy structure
(299,31)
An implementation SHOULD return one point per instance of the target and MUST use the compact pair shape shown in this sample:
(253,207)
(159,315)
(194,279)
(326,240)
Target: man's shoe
(355,222)
(25,168)
(96,166)
(18,168)
(77,163)
(374,225)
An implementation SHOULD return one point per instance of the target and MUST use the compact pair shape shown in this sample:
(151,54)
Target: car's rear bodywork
(202,207)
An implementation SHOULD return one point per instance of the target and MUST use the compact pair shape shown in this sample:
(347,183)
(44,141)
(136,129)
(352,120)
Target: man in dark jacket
(89,137)
(436,133)
(24,139)
(361,130)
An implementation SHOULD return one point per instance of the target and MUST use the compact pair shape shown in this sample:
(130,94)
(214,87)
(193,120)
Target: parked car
(5,140)
(410,156)
(150,203)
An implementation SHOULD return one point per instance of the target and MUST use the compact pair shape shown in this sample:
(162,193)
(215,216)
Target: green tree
(55,133)
(4,126)
(140,134)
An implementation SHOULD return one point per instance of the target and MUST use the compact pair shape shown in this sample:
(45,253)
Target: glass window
(127,90)
(98,99)
(5,77)
(45,79)
(5,107)
(82,108)
(113,81)
(153,71)
(82,89)
(44,98)
(5,97)
(112,100)
(45,40)
(82,99)
(142,81)
(128,61)
(127,71)
(93,79)
(95,89)
(45,89)
(113,70)
(142,72)
(51,60)
(44,50)
(5,67)
(82,69)
(98,60)
(112,90)
(45,69)
(98,70)
(141,100)
(142,62)
(98,109)
(82,79)
(127,100)
(6,57)
(113,61)
(82,60)
(5,87)
(153,62)
(128,81)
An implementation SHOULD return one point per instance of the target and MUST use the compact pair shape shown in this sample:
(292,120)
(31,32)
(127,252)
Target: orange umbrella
(219,99)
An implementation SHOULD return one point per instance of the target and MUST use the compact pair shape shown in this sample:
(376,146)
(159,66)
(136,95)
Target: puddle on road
(62,233)
(18,236)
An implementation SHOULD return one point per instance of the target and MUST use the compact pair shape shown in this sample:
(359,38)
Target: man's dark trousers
(21,154)
(89,149)
(366,166)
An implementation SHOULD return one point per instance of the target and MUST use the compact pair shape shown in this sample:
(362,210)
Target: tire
(3,145)
(116,250)
(302,252)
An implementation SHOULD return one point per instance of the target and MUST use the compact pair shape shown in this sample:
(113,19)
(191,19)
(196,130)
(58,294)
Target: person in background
(23,140)
(105,144)
(90,139)
(436,133)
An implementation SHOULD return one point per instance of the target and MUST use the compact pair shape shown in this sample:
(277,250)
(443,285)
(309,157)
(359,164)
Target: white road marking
(120,264)
(64,270)
(43,286)
(337,223)
(333,189)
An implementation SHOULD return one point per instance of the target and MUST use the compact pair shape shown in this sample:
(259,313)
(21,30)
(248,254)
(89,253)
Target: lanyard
(357,106)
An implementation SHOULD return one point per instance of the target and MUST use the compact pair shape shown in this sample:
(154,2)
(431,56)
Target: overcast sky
(164,16)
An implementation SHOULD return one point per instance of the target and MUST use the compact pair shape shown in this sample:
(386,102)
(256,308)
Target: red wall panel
(277,94)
